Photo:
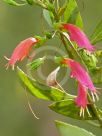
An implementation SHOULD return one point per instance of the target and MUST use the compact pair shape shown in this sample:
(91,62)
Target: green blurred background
(17,23)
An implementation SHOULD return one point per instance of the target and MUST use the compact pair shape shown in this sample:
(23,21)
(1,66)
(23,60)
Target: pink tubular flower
(79,73)
(21,51)
(81,100)
(78,36)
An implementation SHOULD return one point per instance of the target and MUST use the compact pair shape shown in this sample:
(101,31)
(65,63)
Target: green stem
(57,4)
(94,108)
(66,47)
(76,55)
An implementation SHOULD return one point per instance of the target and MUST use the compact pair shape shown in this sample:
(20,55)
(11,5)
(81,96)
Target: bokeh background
(17,23)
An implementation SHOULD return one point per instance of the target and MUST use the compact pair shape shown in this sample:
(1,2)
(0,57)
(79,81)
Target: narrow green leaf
(41,91)
(30,2)
(70,130)
(69,109)
(97,34)
(47,16)
(72,14)
(96,75)
(62,10)
(13,3)
(36,63)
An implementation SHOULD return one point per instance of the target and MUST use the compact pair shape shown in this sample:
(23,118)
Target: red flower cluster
(84,83)
(77,71)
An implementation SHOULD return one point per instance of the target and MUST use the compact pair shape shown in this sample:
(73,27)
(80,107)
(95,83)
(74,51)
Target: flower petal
(21,51)
(79,73)
(81,100)
(78,36)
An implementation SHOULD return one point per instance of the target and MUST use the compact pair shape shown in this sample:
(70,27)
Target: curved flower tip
(78,36)
(81,100)
(79,73)
(21,51)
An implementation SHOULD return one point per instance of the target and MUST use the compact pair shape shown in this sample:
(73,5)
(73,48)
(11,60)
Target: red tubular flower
(21,51)
(81,100)
(78,36)
(79,73)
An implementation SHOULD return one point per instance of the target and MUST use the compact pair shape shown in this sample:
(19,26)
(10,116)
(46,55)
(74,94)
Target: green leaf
(72,14)
(62,10)
(100,112)
(97,34)
(36,63)
(89,58)
(70,130)
(30,2)
(41,91)
(69,109)
(48,15)
(99,53)
(14,3)
(96,75)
